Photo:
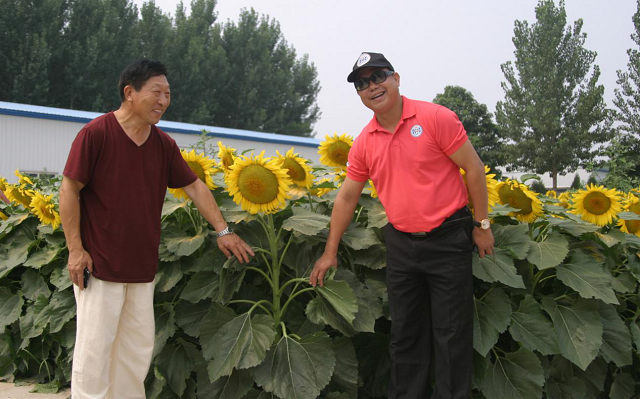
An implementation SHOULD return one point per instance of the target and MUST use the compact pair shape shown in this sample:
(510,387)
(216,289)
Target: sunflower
(596,204)
(3,216)
(551,194)
(22,179)
(202,166)
(519,196)
(44,209)
(258,184)
(227,157)
(3,184)
(297,167)
(334,151)
(565,199)
(631,226)
(320,191)
(492,191)
(19,194)
(374,192)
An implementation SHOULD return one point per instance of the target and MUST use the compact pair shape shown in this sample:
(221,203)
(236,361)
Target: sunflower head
(297,168)
(19,194)
(22,179)
(551,194)
(519,196)
(227,156)
(320,191)
(258,184)
(202,166)
(43,207)
(565,199)
(631,226)
(492,191)
(334,151)
(596,204)
(374,192)
(3,184)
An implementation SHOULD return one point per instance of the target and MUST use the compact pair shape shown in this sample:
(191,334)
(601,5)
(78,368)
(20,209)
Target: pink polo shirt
(418,184)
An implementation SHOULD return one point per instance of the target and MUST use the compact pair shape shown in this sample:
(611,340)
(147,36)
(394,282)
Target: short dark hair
(137,73)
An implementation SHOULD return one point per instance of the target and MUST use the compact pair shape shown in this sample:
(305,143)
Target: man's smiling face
(380,97)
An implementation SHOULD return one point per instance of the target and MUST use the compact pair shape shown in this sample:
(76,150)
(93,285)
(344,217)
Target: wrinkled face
(152,100)
(380,97)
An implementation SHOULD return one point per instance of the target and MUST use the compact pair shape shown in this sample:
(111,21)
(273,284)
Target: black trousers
(430,286)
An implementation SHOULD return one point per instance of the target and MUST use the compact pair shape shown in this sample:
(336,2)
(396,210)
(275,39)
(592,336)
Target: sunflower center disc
(597,203)
(197,169)
(633,225)
(516,199)
(296,172)
(338,152)
(258,184)
(227,160)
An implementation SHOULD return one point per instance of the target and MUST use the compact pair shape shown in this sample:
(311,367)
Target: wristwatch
(484,224)
(224,232)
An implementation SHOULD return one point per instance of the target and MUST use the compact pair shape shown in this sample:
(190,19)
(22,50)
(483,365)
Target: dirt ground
(11,391)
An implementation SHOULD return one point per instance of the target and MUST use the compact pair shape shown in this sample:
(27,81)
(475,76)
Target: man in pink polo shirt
(412,151)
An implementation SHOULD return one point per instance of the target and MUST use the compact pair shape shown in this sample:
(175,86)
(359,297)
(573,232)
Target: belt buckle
(419,234)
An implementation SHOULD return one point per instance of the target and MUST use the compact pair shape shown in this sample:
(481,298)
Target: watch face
(485,224)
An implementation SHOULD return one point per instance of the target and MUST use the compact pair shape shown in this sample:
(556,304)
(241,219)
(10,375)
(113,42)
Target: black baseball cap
(366,60)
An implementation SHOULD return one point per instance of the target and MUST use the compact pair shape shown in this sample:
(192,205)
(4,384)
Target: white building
(37,139)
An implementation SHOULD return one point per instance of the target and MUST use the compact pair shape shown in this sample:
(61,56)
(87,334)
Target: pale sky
(431,44)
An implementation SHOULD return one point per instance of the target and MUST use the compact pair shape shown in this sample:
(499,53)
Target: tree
(623,164)
(477,121)
(553,114)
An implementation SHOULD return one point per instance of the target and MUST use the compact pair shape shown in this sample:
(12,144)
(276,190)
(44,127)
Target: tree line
(244,74)
(554,118)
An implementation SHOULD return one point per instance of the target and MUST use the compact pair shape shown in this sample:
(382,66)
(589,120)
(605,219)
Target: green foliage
(242,75)
(556,308)
(554,113)
(477,121)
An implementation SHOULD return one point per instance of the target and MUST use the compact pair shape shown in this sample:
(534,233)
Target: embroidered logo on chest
(416,131)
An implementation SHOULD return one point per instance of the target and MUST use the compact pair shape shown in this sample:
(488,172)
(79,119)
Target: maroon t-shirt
(121,202)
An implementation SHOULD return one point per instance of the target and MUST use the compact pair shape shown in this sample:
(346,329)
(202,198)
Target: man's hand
(484,241)
(78,261)
(321,267)
(231,244)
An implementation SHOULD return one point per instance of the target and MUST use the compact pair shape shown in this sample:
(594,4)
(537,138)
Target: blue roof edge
(61,114)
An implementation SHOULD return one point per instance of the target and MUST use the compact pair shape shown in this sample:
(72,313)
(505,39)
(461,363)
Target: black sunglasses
(377,77)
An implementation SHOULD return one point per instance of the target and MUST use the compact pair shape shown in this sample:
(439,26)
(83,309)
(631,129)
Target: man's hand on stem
(231,244)
(321,267)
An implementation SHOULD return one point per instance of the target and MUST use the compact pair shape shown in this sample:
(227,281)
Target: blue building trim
(58,114)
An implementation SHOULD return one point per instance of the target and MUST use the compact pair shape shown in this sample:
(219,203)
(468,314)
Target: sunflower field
(557,310)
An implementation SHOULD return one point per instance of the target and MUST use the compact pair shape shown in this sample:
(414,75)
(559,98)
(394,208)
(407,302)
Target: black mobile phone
(86,274)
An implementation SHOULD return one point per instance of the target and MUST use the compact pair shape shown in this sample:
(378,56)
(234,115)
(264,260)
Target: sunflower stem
(259,304)
(295,294)
(310,201)
(292,281)
(265,275)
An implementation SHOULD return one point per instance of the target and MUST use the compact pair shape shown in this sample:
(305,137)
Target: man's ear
(128,89)
(396,75)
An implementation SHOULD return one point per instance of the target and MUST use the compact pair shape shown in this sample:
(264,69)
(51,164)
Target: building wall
(39,143)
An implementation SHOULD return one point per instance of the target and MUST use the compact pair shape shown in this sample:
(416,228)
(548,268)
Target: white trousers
(114,340)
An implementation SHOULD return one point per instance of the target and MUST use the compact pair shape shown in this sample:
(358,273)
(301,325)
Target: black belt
(457,216)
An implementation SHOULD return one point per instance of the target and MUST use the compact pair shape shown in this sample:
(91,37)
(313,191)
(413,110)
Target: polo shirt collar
(408,111)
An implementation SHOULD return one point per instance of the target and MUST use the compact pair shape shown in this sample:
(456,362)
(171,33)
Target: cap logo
(416,131)
(364,58)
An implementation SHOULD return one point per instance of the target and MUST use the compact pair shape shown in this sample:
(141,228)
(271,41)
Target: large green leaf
(628,216)
(60,278)
(11,222)
(61,309)
(169,274)
(297,369)
(369,306)
(491,317)
(624,283)
(518,375)
(550,252)
(172,205)
(573,388)
(33,285)
(340,296)
(532,329)
(319,311)
(176,365)
(165,326)
(202,285)
(377,216)
(585,275)
(216,317)
(497,267)
(616,338)
(42,257)
(241,343)
(515,239)
(579,329)
(234,386)
(358,238)
(18,250)
(374,257)
(33,323)
(573,227)
(190,315)
(306,222)
(623,386)
(10,307)
(635,333)
(345,376)
(181,244)
(229,284)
